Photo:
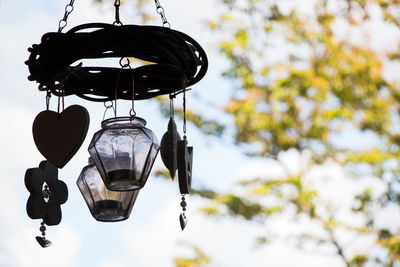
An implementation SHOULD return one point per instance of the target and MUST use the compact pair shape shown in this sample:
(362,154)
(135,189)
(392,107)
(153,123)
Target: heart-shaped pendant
(183,220)
(43,242)
(58,136)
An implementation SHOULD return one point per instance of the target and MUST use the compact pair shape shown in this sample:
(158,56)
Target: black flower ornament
(47,193)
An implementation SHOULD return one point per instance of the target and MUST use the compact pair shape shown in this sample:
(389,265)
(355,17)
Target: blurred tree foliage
(309,77)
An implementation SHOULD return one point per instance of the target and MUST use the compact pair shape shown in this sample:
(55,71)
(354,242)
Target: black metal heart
(59,136)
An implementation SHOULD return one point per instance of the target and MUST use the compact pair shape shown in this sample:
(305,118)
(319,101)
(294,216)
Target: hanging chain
(160,10)
(184,111)
(48,96)
(171,106)
(117,21)
(127,65)
(68,10)
(132,112)
(60,102)
(116,92)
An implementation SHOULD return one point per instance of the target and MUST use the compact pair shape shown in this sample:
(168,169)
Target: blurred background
(295,130)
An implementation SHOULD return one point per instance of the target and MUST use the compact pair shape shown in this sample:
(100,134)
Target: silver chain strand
(160,10)
(68,10)
(117,21)
(171,107)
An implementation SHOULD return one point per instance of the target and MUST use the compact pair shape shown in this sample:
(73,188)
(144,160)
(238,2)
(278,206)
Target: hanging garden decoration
(105,205)
(123,151)
(47,193)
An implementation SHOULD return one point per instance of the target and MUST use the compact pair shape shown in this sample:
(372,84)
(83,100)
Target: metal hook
(111,105)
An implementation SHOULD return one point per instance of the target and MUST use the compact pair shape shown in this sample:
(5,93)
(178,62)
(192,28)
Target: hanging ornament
(169,143)
(172,55)
(104,205)
(58,136)
(182,217)
(124,150)
(47,193)
(42,239)
(185,160)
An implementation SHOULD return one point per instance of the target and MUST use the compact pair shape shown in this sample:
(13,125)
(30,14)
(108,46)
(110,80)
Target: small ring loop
(132,113)
(108,106)
(69,8)
(126,65)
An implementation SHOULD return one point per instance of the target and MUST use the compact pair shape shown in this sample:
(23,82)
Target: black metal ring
(174,58)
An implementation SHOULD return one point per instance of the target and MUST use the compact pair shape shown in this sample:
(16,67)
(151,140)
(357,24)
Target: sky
(152,235)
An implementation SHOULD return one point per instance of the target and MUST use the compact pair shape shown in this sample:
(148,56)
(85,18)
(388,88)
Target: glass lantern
(124,152)
(104,205)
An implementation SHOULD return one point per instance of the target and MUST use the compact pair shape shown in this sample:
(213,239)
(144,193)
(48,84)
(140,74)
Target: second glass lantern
(104,205)
(124,151)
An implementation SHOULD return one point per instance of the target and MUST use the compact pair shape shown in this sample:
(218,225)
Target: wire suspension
(117,5)
(160,10)
(68,10)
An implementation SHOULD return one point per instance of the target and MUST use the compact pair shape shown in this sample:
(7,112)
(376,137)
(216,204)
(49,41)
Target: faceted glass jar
(104,205)
(124,152)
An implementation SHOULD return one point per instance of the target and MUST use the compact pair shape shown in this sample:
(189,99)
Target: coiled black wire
(174,59)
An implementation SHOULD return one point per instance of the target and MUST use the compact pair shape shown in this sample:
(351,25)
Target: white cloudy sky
(151,237)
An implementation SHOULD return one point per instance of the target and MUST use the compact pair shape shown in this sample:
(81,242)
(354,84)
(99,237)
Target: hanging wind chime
(123,151)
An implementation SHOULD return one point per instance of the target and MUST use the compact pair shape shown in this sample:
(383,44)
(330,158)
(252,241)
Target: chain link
(117,21)
(68,10)
(160,10)
(184,111)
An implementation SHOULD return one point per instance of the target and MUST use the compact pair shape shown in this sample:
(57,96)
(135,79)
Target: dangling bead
(43,229)
(42,239)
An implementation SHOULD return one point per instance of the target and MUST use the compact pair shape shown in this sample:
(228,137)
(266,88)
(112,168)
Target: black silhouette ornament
(174,57)
(183,220)
(47,193)
(42,239)
(168,148)
(185,159)
(58,136)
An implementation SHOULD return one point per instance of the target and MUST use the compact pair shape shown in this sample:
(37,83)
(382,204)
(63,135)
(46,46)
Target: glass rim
(124,119)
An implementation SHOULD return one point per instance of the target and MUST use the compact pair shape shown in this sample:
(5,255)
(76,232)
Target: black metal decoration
(173,57)
(58,136)
(124,150)
(42,239)
(182,217)
(47,193)
(168,148)
(185,160)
